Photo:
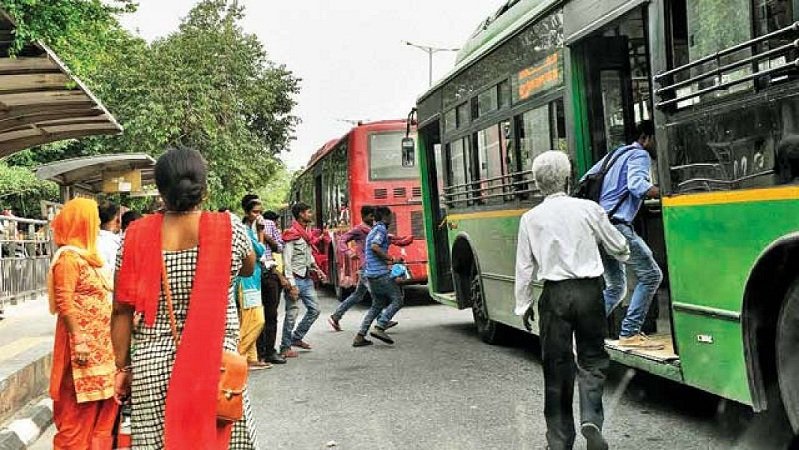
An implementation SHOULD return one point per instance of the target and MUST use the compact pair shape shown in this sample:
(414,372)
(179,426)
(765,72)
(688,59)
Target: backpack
(590,187)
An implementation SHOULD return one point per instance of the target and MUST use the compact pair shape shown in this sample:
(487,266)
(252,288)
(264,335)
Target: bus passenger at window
(358,235)
(559,244)
(624,188)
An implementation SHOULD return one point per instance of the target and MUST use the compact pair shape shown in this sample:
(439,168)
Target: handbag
(233,379)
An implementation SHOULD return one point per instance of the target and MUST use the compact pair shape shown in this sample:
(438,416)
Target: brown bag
(233,379)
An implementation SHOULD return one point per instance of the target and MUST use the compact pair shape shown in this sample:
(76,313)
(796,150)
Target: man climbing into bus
(358,235)
(627,182)
(385,292)
(559,244)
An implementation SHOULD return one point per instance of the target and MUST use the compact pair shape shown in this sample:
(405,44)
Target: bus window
(450,121)
(462,115)
(534,136)
(385,158)
(491,157)
(456,173)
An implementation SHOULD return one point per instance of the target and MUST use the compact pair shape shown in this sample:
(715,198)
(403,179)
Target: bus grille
(417,224)
(400,192)
(381,194)
(417,192)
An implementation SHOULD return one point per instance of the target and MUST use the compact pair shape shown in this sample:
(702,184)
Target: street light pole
(430,51)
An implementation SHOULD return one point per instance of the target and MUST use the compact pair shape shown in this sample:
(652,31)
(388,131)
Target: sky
(349,54)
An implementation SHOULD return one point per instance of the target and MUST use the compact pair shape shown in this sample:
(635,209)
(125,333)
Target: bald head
(551,171)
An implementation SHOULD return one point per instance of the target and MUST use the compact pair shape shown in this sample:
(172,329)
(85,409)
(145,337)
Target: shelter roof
(41,101)
(87,172)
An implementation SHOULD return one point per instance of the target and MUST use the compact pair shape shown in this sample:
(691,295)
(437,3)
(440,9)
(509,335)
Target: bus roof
(331,144)
(493,32)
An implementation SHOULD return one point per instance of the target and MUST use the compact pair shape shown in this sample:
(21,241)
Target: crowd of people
(143,301)
(151,307)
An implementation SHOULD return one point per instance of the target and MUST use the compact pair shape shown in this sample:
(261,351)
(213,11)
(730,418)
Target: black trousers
(566,308)
(270,297)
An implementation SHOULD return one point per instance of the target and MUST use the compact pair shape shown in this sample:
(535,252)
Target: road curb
(24,431)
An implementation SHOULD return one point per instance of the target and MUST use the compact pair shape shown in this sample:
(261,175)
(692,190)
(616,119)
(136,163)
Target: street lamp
(430,51)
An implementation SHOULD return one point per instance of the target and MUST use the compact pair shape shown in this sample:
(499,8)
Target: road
(440,387)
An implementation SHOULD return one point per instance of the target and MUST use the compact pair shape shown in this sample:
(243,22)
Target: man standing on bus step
(358,235)
(384,290)
(298,263)
(559,244)
(624,188)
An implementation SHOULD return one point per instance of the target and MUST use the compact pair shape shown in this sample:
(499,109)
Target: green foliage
(209,86)
(274,194)
(21,191)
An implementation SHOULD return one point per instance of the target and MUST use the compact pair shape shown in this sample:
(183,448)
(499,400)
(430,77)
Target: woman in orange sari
(82,378)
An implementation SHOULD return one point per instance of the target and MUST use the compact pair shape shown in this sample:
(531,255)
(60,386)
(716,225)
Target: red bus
(363,167)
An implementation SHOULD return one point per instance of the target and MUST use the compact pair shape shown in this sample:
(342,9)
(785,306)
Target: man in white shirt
(559,246)
(108,241)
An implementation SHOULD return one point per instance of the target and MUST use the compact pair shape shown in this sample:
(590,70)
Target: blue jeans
(646,271)
(385,294)
(308,298)
(355,297)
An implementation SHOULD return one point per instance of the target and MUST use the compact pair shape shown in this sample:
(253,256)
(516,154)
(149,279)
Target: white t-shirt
(108,244)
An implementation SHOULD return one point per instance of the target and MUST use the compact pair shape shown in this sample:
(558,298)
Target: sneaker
(289,353)
(593,436)
(639,341)
(361,341)
(301,344)
(381,334)
(334,323)
(390,324)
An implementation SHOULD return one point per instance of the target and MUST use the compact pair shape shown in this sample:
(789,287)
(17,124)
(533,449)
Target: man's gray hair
(551,171)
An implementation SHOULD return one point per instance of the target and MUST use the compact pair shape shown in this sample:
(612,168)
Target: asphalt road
(440,387)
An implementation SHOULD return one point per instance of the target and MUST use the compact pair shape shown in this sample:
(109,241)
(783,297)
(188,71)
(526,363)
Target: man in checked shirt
(559,246)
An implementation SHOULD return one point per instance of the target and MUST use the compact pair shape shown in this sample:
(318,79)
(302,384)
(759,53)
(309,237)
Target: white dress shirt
(558,240)
(108,244)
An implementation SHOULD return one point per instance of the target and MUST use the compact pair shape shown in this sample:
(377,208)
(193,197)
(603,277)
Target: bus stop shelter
(124,172)
(41,101)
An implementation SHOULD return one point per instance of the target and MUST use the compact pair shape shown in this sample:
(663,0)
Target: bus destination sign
(538,78)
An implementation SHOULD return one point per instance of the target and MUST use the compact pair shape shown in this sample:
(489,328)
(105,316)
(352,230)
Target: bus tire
(787,349)
(488,330)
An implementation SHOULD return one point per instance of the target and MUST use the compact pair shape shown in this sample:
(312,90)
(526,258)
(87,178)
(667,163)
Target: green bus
(720,80)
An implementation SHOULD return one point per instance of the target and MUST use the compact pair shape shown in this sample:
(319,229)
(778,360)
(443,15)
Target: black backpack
(590,187)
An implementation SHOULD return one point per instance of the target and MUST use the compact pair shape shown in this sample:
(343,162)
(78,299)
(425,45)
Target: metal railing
(668,90)
(512,185)
(25,249)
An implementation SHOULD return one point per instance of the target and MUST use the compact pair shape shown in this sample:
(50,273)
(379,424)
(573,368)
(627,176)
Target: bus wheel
(487,329)
(787,351)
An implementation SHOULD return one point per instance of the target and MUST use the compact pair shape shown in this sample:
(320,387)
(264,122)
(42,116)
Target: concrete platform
(26,344)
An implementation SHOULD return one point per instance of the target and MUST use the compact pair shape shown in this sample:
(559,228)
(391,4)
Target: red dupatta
(191,398)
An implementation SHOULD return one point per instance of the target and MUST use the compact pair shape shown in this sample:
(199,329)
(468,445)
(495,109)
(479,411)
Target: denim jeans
(384,291)
(646,271)
(355,297)
(572,308)
(308,298)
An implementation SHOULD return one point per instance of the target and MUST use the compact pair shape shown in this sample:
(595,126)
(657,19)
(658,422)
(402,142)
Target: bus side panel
(494,235)
(707,313)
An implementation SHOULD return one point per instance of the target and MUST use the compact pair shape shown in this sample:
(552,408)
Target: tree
(22,192)
(209,86)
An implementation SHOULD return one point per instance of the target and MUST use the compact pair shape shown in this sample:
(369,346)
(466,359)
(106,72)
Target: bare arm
(121,328)
(380,253)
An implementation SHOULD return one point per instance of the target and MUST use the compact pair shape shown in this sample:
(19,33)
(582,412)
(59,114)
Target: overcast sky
(349,53)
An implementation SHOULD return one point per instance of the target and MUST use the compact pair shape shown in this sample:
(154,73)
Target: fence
(25,249)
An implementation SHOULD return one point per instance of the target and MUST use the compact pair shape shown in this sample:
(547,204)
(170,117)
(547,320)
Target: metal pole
(430,66)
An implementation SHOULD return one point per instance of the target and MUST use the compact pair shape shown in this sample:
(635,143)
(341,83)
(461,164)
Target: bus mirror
(408,152)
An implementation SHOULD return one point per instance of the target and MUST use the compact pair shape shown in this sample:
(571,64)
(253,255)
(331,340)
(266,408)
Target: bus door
(318,192)
(433,178)
(619,94)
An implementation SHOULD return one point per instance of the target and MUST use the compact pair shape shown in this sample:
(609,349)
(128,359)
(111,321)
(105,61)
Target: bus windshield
(385,157)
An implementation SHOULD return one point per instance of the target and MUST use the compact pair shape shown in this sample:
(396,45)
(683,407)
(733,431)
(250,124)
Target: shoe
(390,324)
(275,358)
(289,353)
(381,334)
(593,436)
(639,341)
(258,365)
(361,341)
(334,323)
(301,344)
